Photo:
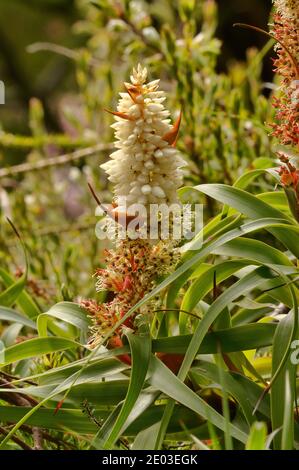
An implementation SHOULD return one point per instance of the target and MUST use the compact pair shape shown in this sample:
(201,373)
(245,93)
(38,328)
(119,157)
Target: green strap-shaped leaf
(162,378)
(244,390)
(241,287)
(258,437)
(10,295)
(140,346)
(11,315)
(244,181)
(246,228)
(255,250)
(239,338)
(276,199)
(216,225)
(203,252)
(244,337)
(204,283)
(244,285)
(10,334)
(68,312)
(66,419)
(76,421)
(253,208)
(145,440)
(283,389)
(36,347)
(248,177)
(24,301)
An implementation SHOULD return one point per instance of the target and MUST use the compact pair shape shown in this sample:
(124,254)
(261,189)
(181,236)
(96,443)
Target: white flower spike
(146,168)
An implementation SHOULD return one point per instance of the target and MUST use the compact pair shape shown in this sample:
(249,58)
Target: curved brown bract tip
(119,114)
(172,136)
(133,90)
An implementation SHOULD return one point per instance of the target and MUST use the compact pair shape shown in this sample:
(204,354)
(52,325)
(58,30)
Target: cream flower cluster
(145,168)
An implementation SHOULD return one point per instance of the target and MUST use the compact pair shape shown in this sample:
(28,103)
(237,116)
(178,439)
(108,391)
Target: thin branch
(18,400)
(28,141)
(13,377)
(57,49)
(140,35)
(37,438)
(47,437)
(46,231)
(48,46)
(15,439)
(14,398)
(54,161)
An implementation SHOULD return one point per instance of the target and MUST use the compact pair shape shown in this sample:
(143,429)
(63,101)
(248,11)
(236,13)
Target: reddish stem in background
(260,30)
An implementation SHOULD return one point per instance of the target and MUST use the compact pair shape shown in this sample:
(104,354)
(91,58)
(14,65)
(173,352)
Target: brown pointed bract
(172,136)
(119,114)
(120,217)
(133,91)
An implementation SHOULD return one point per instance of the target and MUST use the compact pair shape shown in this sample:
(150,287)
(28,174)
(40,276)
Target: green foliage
(230,307)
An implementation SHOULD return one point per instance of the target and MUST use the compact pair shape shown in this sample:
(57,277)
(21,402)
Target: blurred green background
(46,75)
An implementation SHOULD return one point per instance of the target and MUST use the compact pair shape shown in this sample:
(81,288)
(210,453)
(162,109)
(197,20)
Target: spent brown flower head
(132,269)
(286,30)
